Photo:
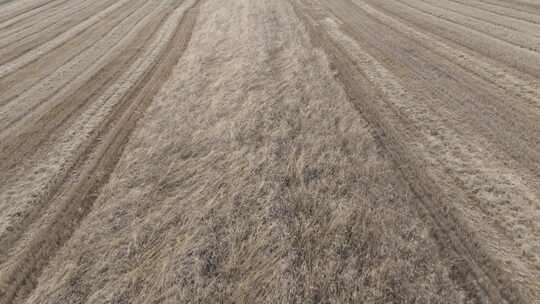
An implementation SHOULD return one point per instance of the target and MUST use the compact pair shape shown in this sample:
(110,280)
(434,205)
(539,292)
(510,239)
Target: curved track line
(442,216)
(488,18)
(27,77)
(13,52)
(472,143)
(503,13)
(16,11)
(15,110)
(42,24)
(29,14)
(512,82)
(507,5)
(79,76)
(34,54)
(508,115)
(513,43)
(466,39)
(100,77)
(75,200)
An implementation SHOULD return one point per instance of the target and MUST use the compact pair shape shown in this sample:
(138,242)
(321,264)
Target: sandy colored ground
(284,151)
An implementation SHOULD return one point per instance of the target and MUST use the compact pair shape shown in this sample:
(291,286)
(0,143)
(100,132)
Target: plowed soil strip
(512,5)
(71,97)
(504,113)
(30,14)
(505,12)
(22,23)
(34,54)
(76,111)
(494,19)
(31,77)
(513,82)
(449,228)
(20,7)
(53,20)
(470,39)
(75,200)
(30,147)
(463,97)
(18,50)
(495,31)
(15,111)
(65,115)
(501,195)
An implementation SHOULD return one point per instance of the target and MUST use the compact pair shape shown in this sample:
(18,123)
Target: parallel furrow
(511,26)
(523,93)
(506,36)
(29,18)
(34,54)
(467,95)
(469,40)
(19,82)
(21,7)
(74,200)
(512,82)
(14,51)
(501,121)
(513,5)
(72,111)
(446,220)
(32,97)
(503,12)
(53,19)
(491,123)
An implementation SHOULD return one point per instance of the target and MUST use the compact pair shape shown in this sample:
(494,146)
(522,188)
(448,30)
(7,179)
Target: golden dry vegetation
(269,151)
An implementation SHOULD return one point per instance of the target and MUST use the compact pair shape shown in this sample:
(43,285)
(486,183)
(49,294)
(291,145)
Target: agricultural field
(269,151)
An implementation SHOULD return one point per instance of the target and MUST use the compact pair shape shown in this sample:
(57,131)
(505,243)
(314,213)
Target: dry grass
(269,151)
(252,179)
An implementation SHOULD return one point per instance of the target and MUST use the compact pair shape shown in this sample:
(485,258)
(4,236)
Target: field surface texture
(269,151)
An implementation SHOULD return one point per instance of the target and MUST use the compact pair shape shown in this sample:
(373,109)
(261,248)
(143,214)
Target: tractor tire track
(75,199)
(492,19)
(492,123)
(16,83)
(495,31)
(78,102)
(12,22)
(501,11)
(16,9)
(513,5)
(483,94)
(34,96)
(511,81)
(15,26)
(18,50)
(470,39)
(446,219)
(469,99)
(62,39)
(44,24)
